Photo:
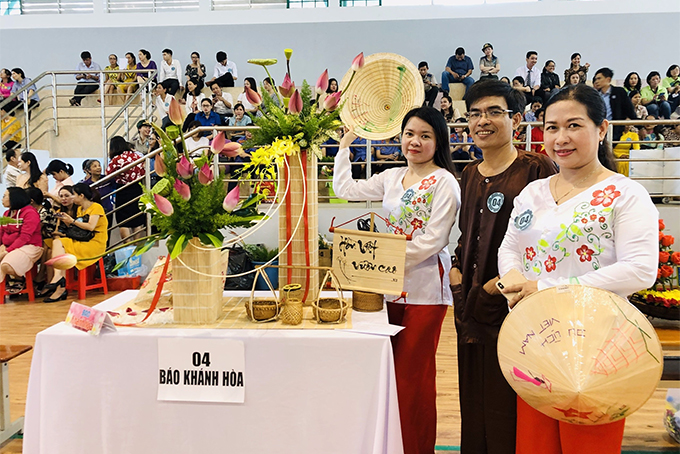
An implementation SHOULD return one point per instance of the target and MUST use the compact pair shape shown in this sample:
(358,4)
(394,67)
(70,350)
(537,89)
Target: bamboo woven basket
(262,310)
(291,314)
(380,96)
(366,301)
(330,310)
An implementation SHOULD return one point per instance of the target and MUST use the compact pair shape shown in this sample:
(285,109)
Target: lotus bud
(322,83)
(231,200)
(218,142)
(287,87)
(185,169)
(163,205)
(331,102)
(159,165)
(176,112)
(253,97)
(183,190)
(63,261)
(231,149)
(205,175)
(358,62)
(295,103)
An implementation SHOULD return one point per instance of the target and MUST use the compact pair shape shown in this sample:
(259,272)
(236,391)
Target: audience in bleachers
(170,72)
(532,113)
(619,106)
(112,80)
(225,72)
(145,140)
(446,108)
(268,85)
(672,85)
(162,101)
(9,176)
(632,82)
(128,218)
(61,172)
(128,83)
(636,100)
(550,81)
(145,62)
(249,82)
(93,173)
(576,68)
(196,141)
(192,98)
(196,70)
(208,117)
(530,75)
(10,129)
(332,86)
(222,101)
(87,83)
(21,82)
(655,96)
(429,83)
(239,119)
(489,67)
(6,83)
(32,175)
(458,70)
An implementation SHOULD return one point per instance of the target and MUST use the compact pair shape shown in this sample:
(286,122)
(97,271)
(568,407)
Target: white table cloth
(320,391)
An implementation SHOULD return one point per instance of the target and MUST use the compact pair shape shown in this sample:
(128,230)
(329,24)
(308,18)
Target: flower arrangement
(663,292)
(190,201)
(298,119)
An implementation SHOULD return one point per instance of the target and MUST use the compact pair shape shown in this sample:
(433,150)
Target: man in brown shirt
(487,402)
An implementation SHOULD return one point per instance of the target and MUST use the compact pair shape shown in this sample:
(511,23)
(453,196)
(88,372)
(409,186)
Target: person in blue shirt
(21,82)
(458,70)
(207,117)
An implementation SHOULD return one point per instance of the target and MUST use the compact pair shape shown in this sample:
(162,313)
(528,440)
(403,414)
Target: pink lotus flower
(218,142)
(62,262)
(163,205)
(159,165)
(176,112)
(183,189)
(322,83)
(205,175)
(358,62)
(331,102)
(231,200)
(230,149)
(295,103)
(185,169)
(287,87)
(253,97)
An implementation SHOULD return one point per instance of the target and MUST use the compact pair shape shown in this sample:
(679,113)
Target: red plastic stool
(85,276)
(29,287)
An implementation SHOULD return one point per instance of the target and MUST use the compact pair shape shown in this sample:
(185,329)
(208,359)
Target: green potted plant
(261,254)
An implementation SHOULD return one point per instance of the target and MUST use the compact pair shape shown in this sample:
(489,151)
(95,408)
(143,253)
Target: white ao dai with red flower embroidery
(605,237)
(426,210)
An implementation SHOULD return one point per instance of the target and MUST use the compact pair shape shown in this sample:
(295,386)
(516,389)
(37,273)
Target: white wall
(607,33)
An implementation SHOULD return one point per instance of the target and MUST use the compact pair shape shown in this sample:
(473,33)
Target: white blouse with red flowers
(120,161)
(427,210)
(605,237)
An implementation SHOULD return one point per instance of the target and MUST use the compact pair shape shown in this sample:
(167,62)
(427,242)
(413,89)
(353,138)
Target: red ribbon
(289,249)
(306,221)
(156,296)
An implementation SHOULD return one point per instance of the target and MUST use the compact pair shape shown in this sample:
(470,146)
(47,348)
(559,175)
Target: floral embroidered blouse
(605,237)
(426,210)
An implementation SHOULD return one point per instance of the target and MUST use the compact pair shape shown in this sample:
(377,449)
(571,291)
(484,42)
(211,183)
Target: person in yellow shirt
(622,150)
(11,130)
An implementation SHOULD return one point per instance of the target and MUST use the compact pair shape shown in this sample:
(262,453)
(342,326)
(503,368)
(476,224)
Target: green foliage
(260,252)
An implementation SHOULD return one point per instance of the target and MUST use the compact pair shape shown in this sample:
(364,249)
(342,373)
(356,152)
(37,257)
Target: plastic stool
(29,287)
(85,276)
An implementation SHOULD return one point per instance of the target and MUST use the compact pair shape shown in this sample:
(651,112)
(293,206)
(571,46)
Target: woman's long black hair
(33,168)
(597,112)
(434,118)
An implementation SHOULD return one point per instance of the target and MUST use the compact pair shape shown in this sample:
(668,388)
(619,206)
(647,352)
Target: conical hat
(580,354)
(380,95)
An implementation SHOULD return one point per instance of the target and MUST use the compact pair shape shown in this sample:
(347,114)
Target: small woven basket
(367,302)
(330,310)
(292,312)
(263,310)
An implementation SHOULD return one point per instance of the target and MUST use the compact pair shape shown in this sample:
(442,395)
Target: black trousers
(227,80)
(171,85)
(31,105)
(488,405)
(83,89)
(431,96)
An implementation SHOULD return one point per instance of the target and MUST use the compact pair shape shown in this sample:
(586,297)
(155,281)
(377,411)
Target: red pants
(538,433)
(414,364)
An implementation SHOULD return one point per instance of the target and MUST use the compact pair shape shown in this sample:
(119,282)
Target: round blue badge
(523,221)
(495,202)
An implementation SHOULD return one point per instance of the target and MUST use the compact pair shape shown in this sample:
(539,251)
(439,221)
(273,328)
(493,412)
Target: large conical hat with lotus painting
(580,354)
(380,95)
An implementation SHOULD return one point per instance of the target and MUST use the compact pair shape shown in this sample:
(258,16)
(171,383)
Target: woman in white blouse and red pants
(421,199)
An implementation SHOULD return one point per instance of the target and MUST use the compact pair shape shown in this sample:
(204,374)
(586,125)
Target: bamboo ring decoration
(380,95)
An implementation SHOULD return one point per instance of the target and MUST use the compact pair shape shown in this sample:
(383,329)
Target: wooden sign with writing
(370,262)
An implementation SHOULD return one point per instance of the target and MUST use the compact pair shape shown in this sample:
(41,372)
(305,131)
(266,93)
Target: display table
(314,391)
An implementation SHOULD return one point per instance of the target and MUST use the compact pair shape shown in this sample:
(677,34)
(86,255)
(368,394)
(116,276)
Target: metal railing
(44,117)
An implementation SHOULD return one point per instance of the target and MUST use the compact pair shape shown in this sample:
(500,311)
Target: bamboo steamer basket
(330,310)
(366,301)
(262,310)
(380,95)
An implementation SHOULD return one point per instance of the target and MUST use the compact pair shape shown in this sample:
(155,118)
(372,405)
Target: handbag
(239,262)
(78,234)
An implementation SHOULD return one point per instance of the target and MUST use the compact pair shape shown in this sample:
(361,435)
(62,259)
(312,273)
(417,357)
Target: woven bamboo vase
(196,287)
